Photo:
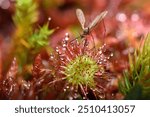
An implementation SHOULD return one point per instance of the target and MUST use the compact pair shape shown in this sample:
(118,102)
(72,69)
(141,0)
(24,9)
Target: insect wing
(97,19)
(81,17)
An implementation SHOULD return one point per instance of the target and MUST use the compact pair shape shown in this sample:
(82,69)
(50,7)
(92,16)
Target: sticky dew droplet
(100,52)
(111,54)
(66,36)
(102,96)
(64,45)
(93,90)
(49,19)
(57,50)
(64,90)
(51,57)
(104,60)
(61,59)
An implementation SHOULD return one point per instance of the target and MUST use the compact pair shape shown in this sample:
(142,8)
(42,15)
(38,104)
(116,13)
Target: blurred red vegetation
(123,28)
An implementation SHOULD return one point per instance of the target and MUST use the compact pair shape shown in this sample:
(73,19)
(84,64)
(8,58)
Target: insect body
(81,18)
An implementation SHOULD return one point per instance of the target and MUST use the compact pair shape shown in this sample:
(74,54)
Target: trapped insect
(81,18)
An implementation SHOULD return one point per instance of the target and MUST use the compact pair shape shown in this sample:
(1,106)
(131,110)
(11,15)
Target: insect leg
(104,34)
(93,40)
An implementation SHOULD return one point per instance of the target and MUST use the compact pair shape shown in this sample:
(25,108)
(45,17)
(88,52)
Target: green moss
(26,14)
(138,73)
(28,41)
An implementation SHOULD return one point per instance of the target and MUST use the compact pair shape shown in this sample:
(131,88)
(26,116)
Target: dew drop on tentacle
(108,57)
(101,59)
(111,54)
(103,48)
(100,52)
(49,19)
(38,83)
(77,42)
(64,89)
(64,42)
(64,48)
(58,51)
(93,90)
(67,87)
(61,58)
(64,45)
(102,95)
(104,45)
(51,57)
(67,37)
(105,60)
